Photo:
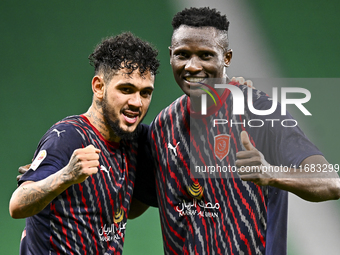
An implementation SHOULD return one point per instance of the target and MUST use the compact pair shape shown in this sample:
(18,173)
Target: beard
(113,122)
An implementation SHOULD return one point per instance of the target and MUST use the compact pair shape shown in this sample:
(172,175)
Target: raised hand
(242,81)
(83,163)
(250,163)
(32,197)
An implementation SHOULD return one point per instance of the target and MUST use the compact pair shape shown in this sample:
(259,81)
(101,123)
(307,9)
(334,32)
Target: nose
(193,65)
(135,100)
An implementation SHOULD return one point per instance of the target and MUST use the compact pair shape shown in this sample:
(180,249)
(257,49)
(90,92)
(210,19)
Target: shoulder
(55,149)
(258,98)
(174,106)
(175,109)
(67,133)
(70,122)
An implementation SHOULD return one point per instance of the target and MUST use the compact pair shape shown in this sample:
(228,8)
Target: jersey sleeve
(281,140)
(145,185)
(53,152)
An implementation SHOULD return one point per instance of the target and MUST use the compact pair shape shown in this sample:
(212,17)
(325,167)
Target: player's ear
(98,86)
(170,53)
(227,57)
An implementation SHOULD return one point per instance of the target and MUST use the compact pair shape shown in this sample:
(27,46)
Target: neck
(96,118)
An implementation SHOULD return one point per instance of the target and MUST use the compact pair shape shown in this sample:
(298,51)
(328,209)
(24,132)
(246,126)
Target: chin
(195,93)
(131,129)
(124,131)
(128,134)
(128,128)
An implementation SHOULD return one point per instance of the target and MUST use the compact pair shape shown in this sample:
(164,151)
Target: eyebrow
(133,85)
(187,48)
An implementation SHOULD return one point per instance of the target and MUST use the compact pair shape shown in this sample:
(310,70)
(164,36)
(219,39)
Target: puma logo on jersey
(171,147)
(58,132)
(103,168)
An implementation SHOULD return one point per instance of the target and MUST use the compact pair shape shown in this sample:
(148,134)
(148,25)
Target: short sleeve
(280,139)
(53,152)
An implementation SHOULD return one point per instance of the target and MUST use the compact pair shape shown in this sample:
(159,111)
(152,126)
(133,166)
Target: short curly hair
(124,51)
(203,17)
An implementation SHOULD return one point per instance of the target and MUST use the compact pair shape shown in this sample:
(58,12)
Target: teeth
(129,115)
(194,79)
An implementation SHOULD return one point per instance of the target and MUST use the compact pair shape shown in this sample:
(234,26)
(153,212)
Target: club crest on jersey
(221,146)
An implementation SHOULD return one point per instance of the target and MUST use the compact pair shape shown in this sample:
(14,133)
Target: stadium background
(45,76)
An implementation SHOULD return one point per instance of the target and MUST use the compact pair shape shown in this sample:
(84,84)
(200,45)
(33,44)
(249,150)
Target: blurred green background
(46,76)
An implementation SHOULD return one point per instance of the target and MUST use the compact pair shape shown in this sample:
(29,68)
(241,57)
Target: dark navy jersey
(205,208)
(90,217)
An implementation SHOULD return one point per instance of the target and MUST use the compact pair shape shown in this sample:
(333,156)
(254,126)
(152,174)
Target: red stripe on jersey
(104,180)
(224,189)
(105,158)
(172,174)
(235,185)
(62,226)
(87,215)
(68,197)
(162,206)
(54,246)
(251,213)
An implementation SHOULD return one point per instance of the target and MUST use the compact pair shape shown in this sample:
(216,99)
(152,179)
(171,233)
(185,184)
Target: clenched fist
(83,163)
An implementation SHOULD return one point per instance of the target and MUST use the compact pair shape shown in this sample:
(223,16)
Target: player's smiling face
(195,54)
(126,101)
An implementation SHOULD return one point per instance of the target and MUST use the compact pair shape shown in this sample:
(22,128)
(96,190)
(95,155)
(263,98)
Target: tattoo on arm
(35,196)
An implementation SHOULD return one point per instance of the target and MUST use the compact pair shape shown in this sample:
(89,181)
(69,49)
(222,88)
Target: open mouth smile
(194,79)
(130,116)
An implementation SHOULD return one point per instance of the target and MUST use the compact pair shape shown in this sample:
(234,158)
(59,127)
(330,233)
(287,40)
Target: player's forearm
(31,198)
(310,182)
(310,189)
(316,180)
